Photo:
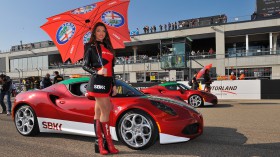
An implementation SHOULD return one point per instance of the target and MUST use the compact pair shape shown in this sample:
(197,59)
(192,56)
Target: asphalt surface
(232,128)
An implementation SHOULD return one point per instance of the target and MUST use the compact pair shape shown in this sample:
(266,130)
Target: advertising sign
(267,8)
(237,89)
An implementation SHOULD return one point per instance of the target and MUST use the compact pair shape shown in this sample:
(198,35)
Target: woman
(207,81)
(99,62)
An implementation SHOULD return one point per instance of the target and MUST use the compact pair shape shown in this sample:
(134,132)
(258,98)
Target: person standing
(46,82)
(242,75)
(207,81)
(99,58)
(232,76)
(160,27)
(6,89)
(57,77)
(195,84)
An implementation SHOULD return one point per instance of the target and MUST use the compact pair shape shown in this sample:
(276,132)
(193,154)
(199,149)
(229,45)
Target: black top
(57,79)
(92,61)
(7,85)
(207,79)
(46,82)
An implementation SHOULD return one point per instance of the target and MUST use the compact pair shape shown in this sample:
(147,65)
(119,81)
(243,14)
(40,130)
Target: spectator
(144,29)
(193,53)
(211,51)
(169,26)
(175,25)
(211,21)
(57,77)
(207,81)
(147,29)
(232,76)
(197,22)
(224,19)
(6,89)
(46,82)
(165,27)
(183,24)
(137,31)
(195,84)
(254,16)
(160,27)
(154,28)
(151,29)
(242,75)
(220,19)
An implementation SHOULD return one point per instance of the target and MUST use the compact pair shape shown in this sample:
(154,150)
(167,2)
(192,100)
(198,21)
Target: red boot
(101,148)
(107,134)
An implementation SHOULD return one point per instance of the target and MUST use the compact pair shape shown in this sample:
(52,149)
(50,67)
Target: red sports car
(137,120)
(195,98)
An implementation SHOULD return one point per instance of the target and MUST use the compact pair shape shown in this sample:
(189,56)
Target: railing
(244,53)
(195,24)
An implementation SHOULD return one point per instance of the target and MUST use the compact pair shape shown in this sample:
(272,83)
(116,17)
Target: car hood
(172,101)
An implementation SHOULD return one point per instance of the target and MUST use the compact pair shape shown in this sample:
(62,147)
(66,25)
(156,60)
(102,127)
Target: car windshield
(125,90)
(182,86)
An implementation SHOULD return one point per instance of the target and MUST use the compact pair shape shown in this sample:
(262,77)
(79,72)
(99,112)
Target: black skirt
(99,85)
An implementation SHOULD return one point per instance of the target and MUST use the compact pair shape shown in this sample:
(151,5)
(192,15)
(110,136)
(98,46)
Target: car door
(173,90)
(76,107)
(76,112)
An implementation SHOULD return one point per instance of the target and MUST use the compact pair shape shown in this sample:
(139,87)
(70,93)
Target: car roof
(168,84)
(74,80)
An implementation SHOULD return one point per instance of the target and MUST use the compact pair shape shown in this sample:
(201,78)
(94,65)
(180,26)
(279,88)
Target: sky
(20,20)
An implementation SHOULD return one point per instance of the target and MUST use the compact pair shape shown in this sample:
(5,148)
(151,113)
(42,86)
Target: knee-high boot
(107,134)
(100,149)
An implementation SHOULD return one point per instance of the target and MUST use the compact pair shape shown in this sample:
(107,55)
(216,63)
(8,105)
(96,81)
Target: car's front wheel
(137,130)
(195,101)
(26,121)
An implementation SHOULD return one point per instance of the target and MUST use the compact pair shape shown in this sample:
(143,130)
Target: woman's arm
(90,59)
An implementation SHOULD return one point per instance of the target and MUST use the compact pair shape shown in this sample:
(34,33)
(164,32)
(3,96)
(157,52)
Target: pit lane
(232,128)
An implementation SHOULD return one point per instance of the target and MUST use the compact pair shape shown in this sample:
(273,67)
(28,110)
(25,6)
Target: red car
(195,98)
(137,120)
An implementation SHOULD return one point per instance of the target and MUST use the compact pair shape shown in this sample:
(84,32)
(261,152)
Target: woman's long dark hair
(106,40)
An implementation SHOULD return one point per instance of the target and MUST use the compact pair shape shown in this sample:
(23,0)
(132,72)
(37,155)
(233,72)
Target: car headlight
(164,107)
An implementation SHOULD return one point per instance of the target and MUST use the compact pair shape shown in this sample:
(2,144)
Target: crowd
(195,22)
(7,88)
(164,27)
(198,52)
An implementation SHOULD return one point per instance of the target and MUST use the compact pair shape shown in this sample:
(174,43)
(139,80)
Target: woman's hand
(114,91)
(102,71)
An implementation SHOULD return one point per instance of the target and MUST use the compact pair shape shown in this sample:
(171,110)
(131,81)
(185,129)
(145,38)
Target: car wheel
(137,130)
(195,101)
(26,121)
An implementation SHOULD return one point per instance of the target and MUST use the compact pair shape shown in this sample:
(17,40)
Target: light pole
(38,71)
(18,73)
(41,71)
(21,72)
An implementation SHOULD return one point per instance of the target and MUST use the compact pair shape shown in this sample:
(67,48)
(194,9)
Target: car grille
(191,129)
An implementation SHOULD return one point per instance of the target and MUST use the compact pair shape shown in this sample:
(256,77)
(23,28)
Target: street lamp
(21,72)
(38,71)
(41,71)
(18,72)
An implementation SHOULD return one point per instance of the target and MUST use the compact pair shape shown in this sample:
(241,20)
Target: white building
(252,46)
